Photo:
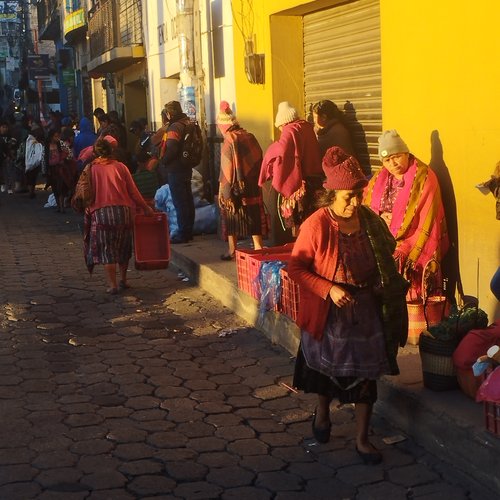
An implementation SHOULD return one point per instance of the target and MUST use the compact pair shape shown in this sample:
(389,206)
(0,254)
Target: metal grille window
(102,29)
(131,22)
(115,24)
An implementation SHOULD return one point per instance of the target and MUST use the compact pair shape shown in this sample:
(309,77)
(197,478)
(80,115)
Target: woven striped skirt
(250,219)
(108,236)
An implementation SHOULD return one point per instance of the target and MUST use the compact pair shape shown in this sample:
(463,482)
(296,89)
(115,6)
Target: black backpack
(192,145)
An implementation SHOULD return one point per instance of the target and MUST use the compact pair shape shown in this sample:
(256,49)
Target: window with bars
(131,22)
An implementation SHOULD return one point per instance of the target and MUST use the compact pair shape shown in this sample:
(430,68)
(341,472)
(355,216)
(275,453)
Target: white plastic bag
(34,153)
(51,202)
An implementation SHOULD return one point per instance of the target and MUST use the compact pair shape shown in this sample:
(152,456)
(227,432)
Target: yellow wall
(440,86)
(440,73)
(280,39)
(277,34)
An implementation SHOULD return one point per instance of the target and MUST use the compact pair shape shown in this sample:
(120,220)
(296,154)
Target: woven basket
(425,311)
(437,363)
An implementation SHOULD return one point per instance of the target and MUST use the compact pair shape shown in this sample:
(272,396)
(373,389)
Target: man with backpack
(176,171)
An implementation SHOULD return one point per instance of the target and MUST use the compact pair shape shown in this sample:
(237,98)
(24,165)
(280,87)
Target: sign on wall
(74,20)
(8,11)
(38,66)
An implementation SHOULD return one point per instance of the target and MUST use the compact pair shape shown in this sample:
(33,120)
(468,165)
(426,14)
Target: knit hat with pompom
(342,171)
(226,116)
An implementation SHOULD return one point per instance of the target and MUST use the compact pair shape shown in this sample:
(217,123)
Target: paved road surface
(160,392)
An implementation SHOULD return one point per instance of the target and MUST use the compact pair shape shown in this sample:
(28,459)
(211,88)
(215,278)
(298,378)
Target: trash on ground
(398,438)
(286,386)
(227,332)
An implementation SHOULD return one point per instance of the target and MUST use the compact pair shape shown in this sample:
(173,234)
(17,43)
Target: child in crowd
(146,178)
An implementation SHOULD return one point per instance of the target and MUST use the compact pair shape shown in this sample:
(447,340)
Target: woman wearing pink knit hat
(240,198)
(352,311)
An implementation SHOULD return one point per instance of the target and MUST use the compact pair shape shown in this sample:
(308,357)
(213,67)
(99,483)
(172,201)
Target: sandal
(373,458)
(123,285)
(321,435)
(227,256)
(112,291)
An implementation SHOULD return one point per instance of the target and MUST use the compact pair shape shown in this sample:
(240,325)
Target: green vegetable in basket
(458,323)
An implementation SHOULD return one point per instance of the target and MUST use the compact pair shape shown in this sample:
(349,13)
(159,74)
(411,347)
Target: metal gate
(342,63)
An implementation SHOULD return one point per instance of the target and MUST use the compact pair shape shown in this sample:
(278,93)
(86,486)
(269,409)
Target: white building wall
(216,25)
(163,55)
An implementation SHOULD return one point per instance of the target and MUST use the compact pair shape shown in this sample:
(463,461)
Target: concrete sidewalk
(447,424)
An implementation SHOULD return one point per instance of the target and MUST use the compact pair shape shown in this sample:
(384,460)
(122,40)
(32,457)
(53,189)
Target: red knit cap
(342,171)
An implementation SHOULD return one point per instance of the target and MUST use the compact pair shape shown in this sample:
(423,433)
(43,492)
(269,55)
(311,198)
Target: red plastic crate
(289,296)
(492,417)
(248,264)
(151,241)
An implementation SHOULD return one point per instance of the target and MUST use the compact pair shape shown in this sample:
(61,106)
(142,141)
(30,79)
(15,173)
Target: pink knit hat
(342,171)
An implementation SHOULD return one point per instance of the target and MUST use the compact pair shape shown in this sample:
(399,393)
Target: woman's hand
(340,297)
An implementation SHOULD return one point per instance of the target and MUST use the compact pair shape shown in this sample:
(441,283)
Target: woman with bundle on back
(240,197)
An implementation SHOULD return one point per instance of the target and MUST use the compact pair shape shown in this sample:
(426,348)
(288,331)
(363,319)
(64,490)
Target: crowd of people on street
(360,243)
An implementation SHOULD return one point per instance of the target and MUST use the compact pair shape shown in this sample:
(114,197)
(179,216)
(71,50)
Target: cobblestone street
(161,392)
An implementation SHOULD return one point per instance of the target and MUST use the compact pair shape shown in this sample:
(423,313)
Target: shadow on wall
(358,138)
(450,264)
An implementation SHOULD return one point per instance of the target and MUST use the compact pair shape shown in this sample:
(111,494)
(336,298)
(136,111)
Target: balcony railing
(116,23)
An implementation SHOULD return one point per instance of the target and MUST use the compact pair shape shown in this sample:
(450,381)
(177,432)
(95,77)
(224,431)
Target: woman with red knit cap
(352,310)
(240,198)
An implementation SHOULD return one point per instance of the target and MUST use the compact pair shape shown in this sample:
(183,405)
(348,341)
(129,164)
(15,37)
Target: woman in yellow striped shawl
(406,194)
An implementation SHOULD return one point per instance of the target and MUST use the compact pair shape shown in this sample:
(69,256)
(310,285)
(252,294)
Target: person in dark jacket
(176,174)
(110,127)
(122,131)
(331,127)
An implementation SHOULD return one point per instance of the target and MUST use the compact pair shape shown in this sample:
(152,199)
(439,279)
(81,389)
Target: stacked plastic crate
(249,263)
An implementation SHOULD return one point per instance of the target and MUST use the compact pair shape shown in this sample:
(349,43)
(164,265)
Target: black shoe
(370,458)
(227,256)
(178,239)
(321,435)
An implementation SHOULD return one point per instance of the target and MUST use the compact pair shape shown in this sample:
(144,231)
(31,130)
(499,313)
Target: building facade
(388,64)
